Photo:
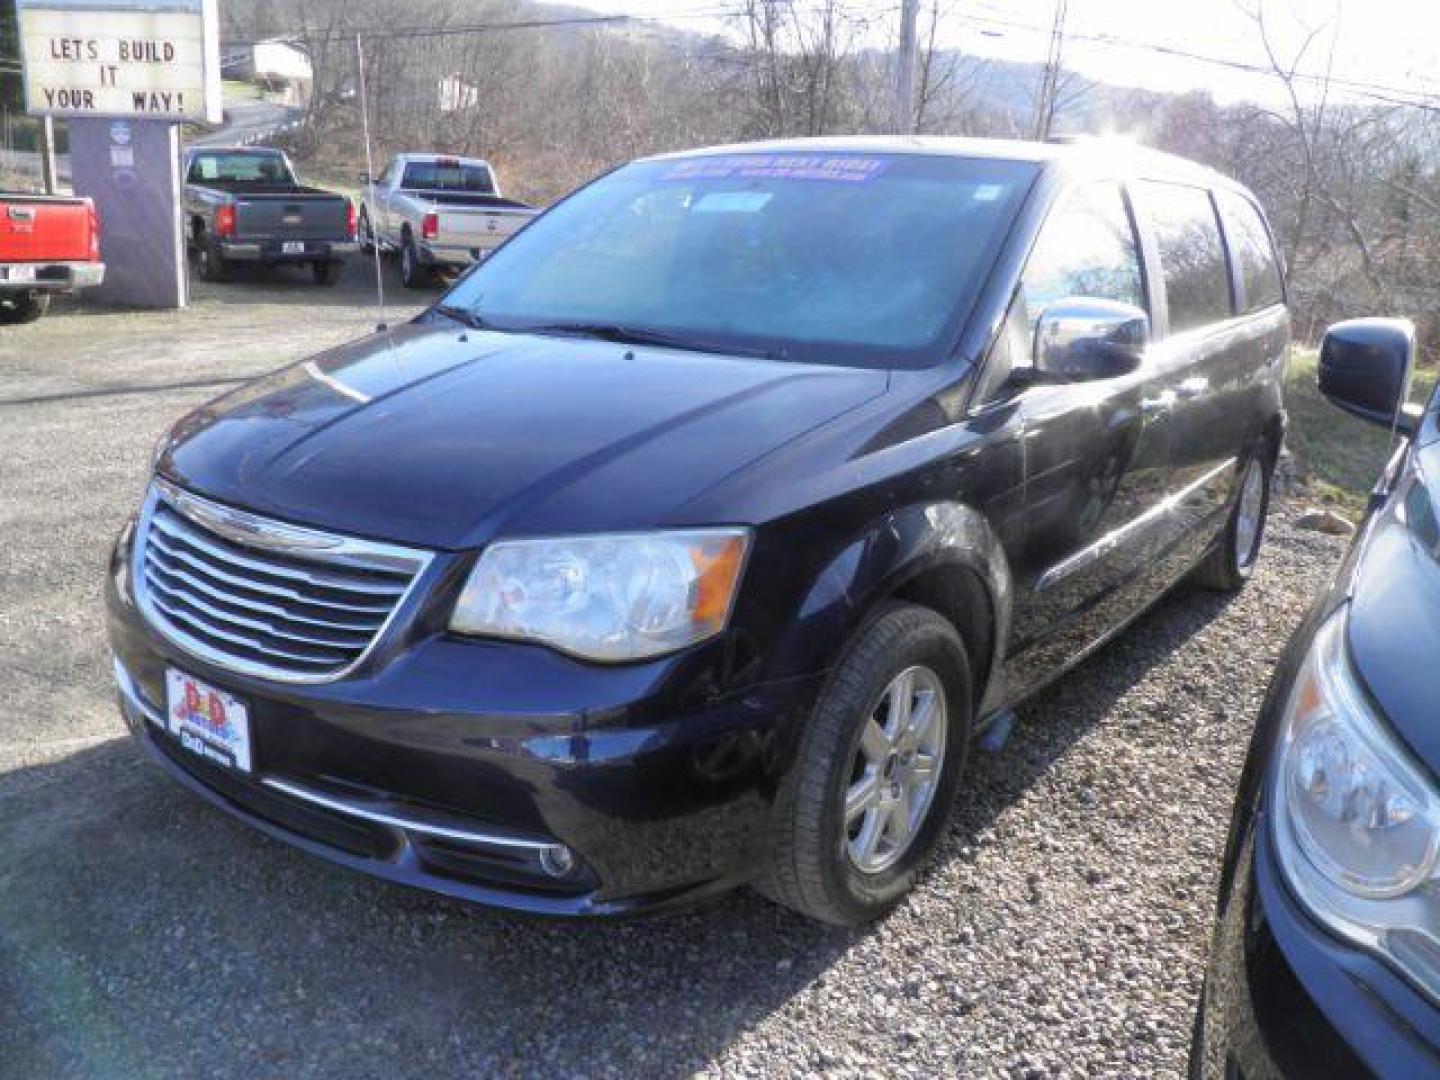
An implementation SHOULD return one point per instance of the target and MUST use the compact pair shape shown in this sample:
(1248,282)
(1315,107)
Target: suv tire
(1232,560)
(816,866)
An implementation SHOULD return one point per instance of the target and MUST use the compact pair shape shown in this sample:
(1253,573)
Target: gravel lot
(141,933)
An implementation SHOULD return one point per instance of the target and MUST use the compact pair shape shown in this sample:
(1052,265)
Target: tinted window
(1192,255)
(232,167)
(839,258)
(1087,248)
(447,176)
(1251,247)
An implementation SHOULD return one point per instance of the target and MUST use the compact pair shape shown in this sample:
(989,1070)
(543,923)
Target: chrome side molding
(1114,539)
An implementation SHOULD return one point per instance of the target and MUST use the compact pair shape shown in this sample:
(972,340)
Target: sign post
(124,74)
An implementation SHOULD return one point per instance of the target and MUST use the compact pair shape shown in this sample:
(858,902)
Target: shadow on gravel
(141,932)
(1049,724)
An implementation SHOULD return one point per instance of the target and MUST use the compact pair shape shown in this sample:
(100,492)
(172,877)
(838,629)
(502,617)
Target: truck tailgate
(479,227)
(42,229)
(297,217)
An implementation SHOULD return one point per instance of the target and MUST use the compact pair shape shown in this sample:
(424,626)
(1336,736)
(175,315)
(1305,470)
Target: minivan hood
(428,436)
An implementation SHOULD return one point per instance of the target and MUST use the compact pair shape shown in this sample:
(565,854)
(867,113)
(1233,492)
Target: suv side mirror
(1082,338)
(1365,369)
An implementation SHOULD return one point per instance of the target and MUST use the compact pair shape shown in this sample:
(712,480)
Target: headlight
(622,596)
(1356,822)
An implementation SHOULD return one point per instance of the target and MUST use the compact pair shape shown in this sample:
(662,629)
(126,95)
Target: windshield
(233,168)
(447,176)
(842,258)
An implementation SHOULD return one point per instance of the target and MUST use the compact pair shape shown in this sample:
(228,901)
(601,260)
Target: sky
(1393,45)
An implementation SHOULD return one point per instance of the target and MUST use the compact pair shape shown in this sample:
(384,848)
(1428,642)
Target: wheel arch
(941,555)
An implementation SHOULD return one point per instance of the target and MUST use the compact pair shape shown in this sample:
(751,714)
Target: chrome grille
(264,597)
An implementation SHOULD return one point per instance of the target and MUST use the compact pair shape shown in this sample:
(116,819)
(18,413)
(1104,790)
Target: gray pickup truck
(245,205)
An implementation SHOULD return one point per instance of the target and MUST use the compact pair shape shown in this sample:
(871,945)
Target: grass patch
(1336,456)
(236,90)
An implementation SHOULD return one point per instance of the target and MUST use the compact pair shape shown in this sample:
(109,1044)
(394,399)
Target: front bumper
(50,276)
(1284,998)
(273,251)
(454,765)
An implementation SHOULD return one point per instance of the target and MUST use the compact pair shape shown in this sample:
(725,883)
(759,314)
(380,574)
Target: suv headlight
(1356,822)
(613,597)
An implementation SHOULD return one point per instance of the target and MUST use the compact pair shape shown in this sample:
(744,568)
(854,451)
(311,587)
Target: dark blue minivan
(1326,960)
(689,539)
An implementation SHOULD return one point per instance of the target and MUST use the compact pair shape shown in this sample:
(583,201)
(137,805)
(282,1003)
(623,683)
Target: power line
(1379,91)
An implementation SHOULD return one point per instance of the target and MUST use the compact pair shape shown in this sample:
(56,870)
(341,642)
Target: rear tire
(830,859)
(413,274)
(325,271)
(23,307)
(366,232)
(213,264)
(1232,561)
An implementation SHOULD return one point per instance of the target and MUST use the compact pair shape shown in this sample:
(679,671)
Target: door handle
(1160,404)
(1193,387)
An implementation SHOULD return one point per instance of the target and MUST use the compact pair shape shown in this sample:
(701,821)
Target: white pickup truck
(439,213)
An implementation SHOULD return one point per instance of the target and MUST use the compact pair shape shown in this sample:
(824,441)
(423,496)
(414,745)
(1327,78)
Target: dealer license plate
(207,721)
(292,247)
(17,273)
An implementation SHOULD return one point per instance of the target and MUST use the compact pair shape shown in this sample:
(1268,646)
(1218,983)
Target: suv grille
(263,597)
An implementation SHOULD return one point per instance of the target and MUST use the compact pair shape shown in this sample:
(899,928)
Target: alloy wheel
(896,770)
(1250,514)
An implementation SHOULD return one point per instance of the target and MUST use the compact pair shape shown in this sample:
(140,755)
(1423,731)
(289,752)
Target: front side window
(846,258)
(1086,249)
(1192,254)
(1253,251)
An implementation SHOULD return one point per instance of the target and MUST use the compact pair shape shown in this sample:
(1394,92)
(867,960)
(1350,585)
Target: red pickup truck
(48,244)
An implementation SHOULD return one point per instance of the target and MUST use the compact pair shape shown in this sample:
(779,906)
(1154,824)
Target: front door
(1096,454)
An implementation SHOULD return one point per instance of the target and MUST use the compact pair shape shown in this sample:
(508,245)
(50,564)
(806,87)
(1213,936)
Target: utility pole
(905,69)
(1050,79)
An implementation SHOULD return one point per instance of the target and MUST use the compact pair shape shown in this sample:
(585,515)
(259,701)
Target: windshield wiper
(462,315)
(640,335)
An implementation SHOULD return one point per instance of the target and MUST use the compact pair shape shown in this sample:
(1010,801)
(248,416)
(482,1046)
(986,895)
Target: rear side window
(1252,250)
(1192,255)
(448,176)
(1087,248)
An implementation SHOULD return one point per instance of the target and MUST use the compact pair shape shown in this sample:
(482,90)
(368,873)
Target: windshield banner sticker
(845,170)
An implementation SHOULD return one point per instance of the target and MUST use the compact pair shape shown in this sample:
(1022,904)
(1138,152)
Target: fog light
(557,861)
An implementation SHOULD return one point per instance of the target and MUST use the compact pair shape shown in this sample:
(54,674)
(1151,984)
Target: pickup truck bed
(48,244)
(439,213)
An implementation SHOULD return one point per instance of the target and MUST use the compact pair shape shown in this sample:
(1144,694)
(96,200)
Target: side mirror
(1080,338)
(1365,369)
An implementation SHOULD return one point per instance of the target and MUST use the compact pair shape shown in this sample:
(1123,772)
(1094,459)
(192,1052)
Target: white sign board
(158,60)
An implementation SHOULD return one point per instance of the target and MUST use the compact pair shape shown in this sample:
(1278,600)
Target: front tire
(876,773)
(1232,561)
(23,307)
